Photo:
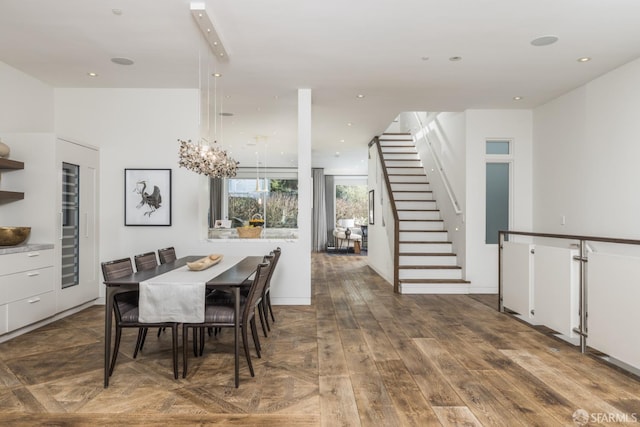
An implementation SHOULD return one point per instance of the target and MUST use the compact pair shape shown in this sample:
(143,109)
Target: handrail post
(583,297)
(500,243)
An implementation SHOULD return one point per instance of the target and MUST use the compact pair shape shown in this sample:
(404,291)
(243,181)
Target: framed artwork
(147,197)
(371,204)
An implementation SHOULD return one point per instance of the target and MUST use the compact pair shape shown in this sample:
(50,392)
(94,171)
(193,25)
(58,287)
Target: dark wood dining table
(232,278)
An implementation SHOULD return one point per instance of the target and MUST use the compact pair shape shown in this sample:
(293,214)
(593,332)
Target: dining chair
(266,295)
(167,255)
(225,297)
(145,261)
(126,311)
(223,316)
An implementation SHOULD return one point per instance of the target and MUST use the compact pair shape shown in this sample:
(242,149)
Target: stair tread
(423,231)
(429,267)
(418,210)
(426,254)
(433,281)
(423,242)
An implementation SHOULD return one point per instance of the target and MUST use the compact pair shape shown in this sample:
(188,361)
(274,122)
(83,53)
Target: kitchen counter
(5,250)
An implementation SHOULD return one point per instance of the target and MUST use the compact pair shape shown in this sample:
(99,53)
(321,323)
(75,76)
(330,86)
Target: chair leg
(201,341)
(265,312)
(270,308)
(263,319)
(144,336)
(245,344)
(195,341)
(256,339)
(116,348)
(160,331)
(141,333)
(174,352)
(185,336)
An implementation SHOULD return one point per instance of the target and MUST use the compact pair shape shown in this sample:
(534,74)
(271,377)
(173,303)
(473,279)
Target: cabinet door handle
(33,273)
(34,300)
(32,254)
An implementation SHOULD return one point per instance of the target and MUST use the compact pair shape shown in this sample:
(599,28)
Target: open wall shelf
(10,165)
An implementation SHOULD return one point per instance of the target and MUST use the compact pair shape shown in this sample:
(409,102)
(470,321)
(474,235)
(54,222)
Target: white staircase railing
(424,134)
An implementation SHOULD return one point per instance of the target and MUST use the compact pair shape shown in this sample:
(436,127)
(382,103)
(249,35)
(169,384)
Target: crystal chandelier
(206,160)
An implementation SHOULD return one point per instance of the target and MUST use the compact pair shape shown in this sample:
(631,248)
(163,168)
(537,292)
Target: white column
(304,186)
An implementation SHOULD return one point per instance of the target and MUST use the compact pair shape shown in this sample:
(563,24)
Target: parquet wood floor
(358,356)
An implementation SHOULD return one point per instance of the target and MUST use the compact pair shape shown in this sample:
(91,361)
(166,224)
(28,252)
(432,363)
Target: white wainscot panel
(557,289)
(614,292)
(517,278)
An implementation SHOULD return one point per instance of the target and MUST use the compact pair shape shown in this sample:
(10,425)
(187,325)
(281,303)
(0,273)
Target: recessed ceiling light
(544,40)
(116,11)
(337,154)
(92,74)
(122,61)
(359,96)
(216,75)
(517,98)
(342,140)
(225,114)
(455,58)
(349,124)
(425,58)
(584,59)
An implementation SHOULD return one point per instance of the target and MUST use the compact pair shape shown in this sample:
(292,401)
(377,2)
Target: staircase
(427,263)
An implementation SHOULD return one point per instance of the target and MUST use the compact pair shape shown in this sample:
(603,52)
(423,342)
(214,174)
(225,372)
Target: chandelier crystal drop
(206,160)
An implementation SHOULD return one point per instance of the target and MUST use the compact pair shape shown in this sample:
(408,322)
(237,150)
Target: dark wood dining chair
(167,255)
(223,316)
(266,295)
(126,312)
(145,261)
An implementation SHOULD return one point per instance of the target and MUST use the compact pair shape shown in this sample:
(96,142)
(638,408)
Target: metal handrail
(443,174)
(582,258)
(396,245)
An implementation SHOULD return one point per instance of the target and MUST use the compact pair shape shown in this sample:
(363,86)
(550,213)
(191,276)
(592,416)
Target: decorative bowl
(12,236)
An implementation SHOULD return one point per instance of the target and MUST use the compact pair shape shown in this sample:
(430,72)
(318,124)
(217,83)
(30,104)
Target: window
(352,202)
(273,197)
(276,203)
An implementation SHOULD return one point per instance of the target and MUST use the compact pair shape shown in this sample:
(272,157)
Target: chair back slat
(167,255)
(255,292)
(116,269)
(146,261)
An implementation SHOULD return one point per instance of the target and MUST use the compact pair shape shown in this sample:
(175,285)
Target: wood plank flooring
(360,355)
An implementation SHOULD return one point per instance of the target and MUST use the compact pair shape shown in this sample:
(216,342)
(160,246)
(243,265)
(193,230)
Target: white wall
(26,104)
(139,128)
(482,259)
(586,158)
(380,245)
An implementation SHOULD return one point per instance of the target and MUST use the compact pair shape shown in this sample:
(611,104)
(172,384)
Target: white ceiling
(336,48)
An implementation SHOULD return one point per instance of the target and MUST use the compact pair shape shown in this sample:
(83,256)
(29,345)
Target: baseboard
(434,288)
(290,301)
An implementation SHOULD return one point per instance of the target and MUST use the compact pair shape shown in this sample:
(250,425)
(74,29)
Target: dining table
(232,278)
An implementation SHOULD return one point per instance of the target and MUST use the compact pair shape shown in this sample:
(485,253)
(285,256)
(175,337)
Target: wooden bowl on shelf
(12,236)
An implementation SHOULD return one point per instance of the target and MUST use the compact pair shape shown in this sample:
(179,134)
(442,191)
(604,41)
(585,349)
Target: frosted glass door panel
(497,202)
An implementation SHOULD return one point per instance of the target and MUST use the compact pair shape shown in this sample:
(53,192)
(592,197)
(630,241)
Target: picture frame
(371,206)
(147,197)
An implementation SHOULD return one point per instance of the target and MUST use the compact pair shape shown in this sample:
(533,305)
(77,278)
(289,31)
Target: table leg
(236,327)
(108,309)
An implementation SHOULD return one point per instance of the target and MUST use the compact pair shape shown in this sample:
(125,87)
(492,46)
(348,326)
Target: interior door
(77,245)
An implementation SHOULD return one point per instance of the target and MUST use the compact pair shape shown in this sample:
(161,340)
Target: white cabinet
(27,288)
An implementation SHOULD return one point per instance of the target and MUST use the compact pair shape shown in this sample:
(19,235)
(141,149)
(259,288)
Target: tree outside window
(352,202)
(277,205)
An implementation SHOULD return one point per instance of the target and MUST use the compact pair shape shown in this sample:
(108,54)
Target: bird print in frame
(147,197)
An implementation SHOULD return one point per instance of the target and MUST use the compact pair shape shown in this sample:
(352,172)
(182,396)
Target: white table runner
(179,295)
